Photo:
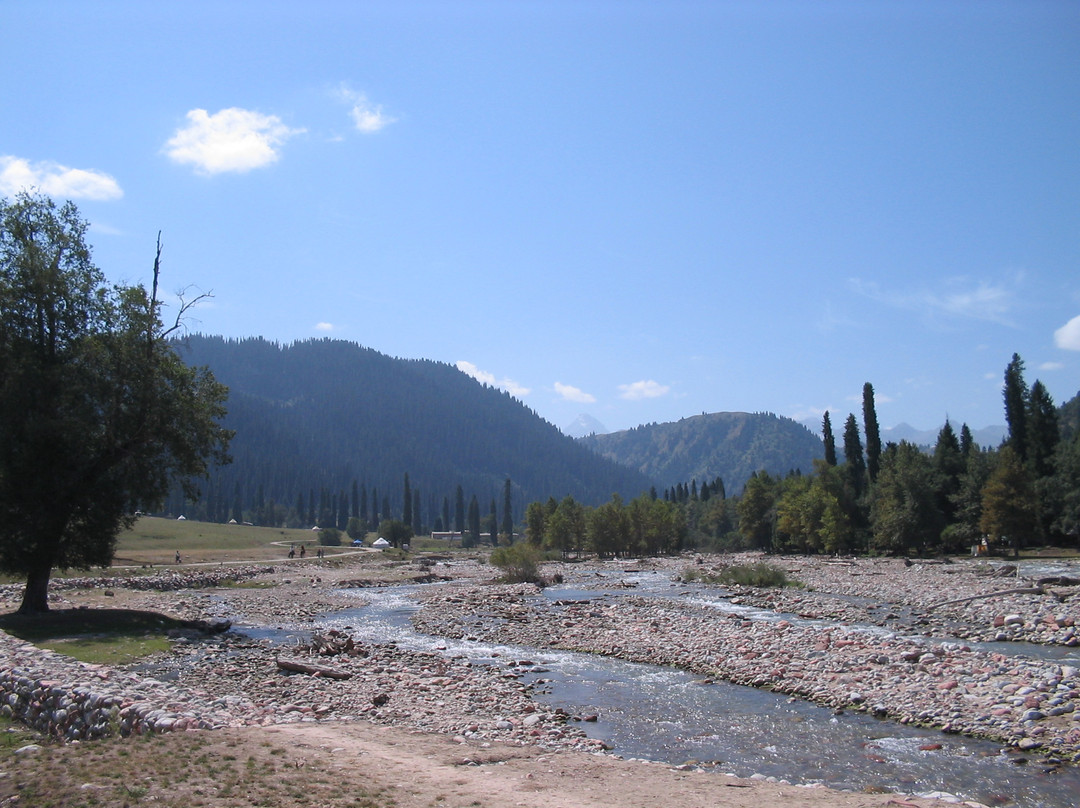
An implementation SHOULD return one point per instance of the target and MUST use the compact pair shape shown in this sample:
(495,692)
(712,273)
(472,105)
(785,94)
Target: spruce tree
(1042,431)
(1015,393)
(406,507)
(967,442)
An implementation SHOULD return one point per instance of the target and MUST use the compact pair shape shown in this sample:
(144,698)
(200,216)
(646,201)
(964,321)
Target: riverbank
(231,681)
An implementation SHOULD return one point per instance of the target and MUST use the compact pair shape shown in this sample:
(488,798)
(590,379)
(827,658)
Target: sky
(640,211)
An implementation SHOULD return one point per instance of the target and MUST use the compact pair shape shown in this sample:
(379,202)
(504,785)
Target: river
(664,714)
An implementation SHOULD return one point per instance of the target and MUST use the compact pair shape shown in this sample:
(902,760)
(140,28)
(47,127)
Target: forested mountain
(323,424)
(728,445)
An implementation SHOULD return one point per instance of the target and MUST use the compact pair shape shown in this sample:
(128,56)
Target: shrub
(760,574)
(519,562)
(330,537)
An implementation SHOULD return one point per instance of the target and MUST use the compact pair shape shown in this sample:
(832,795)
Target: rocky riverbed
(897,674)
(233,680)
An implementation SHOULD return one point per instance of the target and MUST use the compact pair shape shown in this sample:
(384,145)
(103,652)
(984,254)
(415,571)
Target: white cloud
(958,297)
(233,139)
(1051,366)
(324,326)
(643,389)
(569,393)
(1068,336)
(55,180)
(482,376)
(367,117)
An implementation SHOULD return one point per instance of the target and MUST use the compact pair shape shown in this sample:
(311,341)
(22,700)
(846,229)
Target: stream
(667,715)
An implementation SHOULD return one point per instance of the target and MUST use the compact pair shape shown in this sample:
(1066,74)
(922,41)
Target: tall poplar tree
(873,433)
(459,511)
(508,510)
(853,456)
(828,439)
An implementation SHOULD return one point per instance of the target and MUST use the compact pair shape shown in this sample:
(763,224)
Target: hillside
(315,417)
(729,445)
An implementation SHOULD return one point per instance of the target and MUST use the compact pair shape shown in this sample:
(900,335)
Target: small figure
(177,556)
(303,550)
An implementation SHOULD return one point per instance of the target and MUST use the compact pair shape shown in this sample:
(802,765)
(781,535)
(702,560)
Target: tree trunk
(36,595)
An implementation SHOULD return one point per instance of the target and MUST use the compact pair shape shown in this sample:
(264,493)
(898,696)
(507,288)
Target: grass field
(154,540)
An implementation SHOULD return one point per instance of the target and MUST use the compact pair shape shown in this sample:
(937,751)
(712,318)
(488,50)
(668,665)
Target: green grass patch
(111,650)
(103,636)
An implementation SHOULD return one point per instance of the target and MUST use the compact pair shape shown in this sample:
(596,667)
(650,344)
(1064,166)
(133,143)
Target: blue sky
(639,211)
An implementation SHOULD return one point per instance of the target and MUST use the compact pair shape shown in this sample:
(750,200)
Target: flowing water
(663,714)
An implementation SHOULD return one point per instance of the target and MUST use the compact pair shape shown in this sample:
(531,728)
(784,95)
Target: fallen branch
(296,666)
(1025,590)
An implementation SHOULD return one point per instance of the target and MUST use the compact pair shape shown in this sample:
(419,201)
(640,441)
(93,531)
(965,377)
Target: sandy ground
(423,770)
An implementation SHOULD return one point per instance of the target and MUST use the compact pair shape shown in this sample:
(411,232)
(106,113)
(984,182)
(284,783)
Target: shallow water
(645,711)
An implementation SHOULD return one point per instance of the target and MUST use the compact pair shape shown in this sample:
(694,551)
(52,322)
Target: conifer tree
(406,507)
(1042,431)
(1015,393)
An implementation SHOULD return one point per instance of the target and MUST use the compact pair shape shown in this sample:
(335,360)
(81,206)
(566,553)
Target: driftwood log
(1024,590)
(297,666)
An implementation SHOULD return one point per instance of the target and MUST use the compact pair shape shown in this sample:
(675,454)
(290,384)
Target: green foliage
(330,537)
(356,528)
(760,575)
(520,562)
(1008,503)
(906,514)
(98,415)
(395,531)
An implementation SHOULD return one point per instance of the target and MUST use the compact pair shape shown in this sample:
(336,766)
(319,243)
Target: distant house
(446,535)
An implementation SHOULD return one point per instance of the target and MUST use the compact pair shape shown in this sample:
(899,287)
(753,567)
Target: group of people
(303,551)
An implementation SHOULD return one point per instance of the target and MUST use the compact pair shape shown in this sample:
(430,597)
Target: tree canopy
(98,415)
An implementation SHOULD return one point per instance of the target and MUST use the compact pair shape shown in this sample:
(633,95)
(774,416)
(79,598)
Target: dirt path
(423,770)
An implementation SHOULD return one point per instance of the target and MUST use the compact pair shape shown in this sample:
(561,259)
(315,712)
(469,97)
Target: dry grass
(185,770)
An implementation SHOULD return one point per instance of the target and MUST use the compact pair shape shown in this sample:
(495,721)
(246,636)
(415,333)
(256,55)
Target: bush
(760,574)
(330,537)
(519,562)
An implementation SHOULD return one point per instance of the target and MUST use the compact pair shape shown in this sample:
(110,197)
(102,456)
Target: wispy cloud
(1052,366)
(367,117)
(56,180)
(233,139)
(569,393)
(960,298)
(509,385)
(324,326)
(643,389)
(1068,336)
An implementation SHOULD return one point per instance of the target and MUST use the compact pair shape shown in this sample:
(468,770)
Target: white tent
(380,542)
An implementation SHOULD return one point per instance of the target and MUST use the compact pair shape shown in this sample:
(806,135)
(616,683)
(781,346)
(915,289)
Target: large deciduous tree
(98,415)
